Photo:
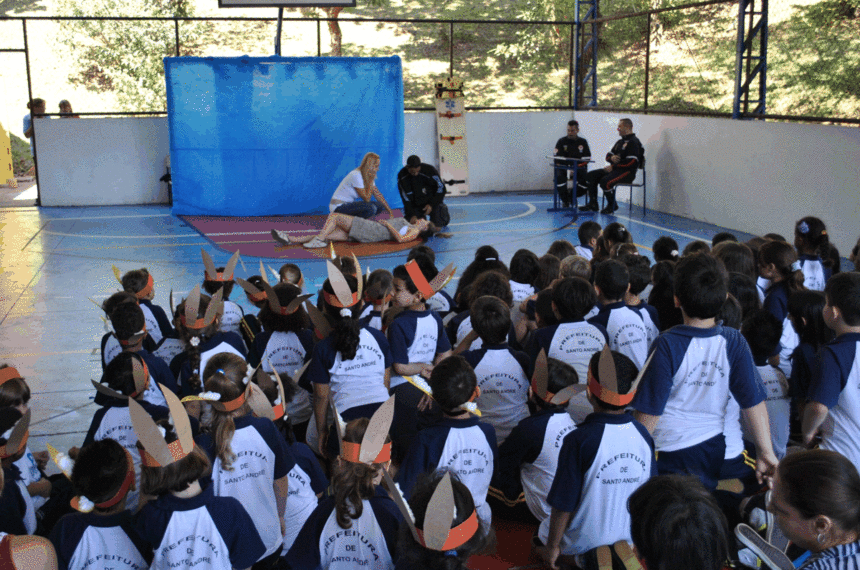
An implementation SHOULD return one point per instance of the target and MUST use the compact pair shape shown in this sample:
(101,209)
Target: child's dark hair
(491,319)
(784,258)
(275,322)
(380,283)
(543,308)
(805,308)
(560,248)
(616,232)
(127,320)
(400,272)
(549,268)
(620,249)
(573,298)
(676,524)
(723,237)
(453,382)
(737,257)
(347,330)
(290,273)
(256,281)
(639,269)
(135,281)
(186,334)
(111,303)
(99,471)
(492,283)
(486,259)
(694,247)
(413,554)
(588,231)
(743,288)
(731,314)
(8,418)
(810,236)
(701,284)
(612,278)
(13,392)
(424,250)
(775,237)
(574,266)
(625,374)
(212,287)
(665,249)
(224,375)
(843,292)
(560,375)
(762,331)
(832,259)
(177,476)
(345,264)
(662,294)
(524,267)
(352,483)
(119,373)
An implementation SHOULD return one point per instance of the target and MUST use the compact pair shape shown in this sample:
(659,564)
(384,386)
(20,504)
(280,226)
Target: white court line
(656,227)
(531,210)
(114,217)
(99,236)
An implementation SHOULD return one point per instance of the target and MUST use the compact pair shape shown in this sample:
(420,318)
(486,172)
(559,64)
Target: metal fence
(669,61)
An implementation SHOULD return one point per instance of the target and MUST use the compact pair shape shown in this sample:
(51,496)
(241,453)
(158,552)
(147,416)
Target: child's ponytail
(225,375)
(811,234)
(346,331)
(784,258)
(193,338)
(353,482)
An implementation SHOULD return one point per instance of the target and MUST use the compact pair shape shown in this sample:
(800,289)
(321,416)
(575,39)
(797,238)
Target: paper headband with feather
(437,532)
(260,403)
(82,503)
(8,373)
(147,289)
(256,294)
(373,447)
(16,437)
(428,289)
(214,398)
(343,296)
(540,383)
(211,274)
(156,451)
(275,304)
(189,317)
(140,373)
(607,389)
(322,327)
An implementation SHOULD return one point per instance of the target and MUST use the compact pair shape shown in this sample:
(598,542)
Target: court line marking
(656,227)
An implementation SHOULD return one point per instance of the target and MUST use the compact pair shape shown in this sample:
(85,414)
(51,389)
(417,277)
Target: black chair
(633,185)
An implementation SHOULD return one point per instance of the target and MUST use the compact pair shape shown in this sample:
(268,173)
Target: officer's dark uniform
(418,191)
(570,148)
(630,150)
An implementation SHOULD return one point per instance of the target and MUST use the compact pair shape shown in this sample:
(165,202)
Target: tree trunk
(334,30)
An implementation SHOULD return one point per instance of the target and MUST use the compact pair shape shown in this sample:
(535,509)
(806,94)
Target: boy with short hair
(588,233)
(500,370)
(834,390)
(624,325)
(694,367)
(601,463)
(639,269)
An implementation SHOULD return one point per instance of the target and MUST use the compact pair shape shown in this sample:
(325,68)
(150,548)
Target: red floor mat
(514,548)
(251,236)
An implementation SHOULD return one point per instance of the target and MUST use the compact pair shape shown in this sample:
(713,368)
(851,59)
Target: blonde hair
(363,169)
(224,374)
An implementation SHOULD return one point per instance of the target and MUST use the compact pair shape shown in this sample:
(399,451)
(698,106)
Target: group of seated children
(380,423)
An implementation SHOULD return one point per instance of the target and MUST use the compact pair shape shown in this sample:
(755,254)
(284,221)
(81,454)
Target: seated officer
(570,146)
(623,159)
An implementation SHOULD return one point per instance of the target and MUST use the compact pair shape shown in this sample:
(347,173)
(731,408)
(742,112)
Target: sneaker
(315,243)
(590,207)
(610,209)
(282,238)
(770,556)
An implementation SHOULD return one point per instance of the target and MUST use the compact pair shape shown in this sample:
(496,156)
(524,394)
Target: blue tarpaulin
(257,136)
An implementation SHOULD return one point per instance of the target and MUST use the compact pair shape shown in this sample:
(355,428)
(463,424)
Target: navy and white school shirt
(651,319)
(231,320)
(626,330)
(804,367)
(157,324)
(441,302)
(99,542)
(355,382)
(13,505)
(262,457)
(837,386)
(776,303)
(203,531)
(602,462)
(467,447)
(220,342)
(307,480)
(159,373)
(815,275)
(370,317)
(110,347)
(504,384)
(573,343)
(287,352)
(584,251)
(529,457)
(370,542)
(688,382)
(521,292)
(416,336)
(461,325)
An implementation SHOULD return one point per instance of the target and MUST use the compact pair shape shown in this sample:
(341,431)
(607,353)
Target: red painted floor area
(514,548)
(251,236)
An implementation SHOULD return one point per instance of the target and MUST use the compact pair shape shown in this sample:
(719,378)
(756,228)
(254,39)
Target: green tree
(335,33)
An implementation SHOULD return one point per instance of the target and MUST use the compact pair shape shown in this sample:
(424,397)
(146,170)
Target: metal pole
(30,95)
(278,34)
(647,61)
(451,49)
(570,71)
(739,61)
(319,39)
(578,46)
(176,32)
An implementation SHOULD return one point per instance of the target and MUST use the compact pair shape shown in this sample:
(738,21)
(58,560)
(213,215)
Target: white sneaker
(282,238)
(315,243)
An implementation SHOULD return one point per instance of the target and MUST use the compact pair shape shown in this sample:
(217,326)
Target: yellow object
(6,172)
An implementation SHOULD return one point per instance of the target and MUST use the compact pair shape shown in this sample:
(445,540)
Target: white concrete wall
(751,176)
(102,162)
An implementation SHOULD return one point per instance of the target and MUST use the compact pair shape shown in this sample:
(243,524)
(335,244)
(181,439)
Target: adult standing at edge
(623,159)
(422,191)
(571,146)
(37,107)
(354,193)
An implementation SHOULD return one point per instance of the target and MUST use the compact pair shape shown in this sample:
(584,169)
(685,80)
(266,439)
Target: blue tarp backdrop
(257,136)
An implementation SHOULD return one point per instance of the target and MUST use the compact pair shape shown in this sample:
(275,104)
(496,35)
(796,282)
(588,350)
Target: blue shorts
(703,460)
